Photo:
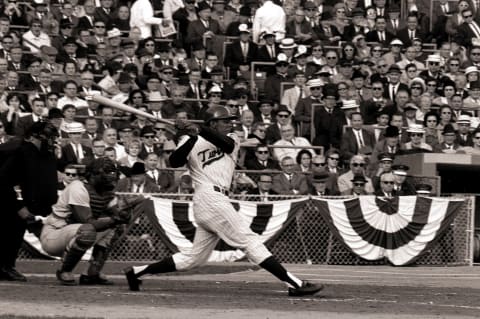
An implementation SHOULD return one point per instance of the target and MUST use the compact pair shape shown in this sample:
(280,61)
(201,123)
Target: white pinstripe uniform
(215,216)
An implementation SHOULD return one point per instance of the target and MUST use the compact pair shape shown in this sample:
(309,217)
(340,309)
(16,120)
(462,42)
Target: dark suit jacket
(372,36)
(349,146)
(305,28)
(442,146)
(27,83)
(273,133)
(234,55)
(324,34)
(69,157)
(349,32)
(165,180)
(303,113)
(404,36)
(282,185)
(465,34)
(84,24)
(143,153)
(23,124)
(196,29)
(370,109)
(461,142)
(386,90)
(101,15)
(254,164)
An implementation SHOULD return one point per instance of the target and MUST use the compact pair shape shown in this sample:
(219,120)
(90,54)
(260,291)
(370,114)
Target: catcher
(75,225)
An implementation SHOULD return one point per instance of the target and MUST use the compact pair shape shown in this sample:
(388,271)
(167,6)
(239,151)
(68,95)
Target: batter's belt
(221,190)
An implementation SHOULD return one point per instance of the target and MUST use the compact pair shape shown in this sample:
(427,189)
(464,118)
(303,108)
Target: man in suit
(74,152)
(289,182)
(273,82)
(389,144)
(7,43)
(468,30)
(387,181)
(282,117)
(449,144)
(104,12)
(464,137)
(262,159)
(299,29)
(149,146)
(394,85)
(25,122)
(293,95)
(357,167)
(394,23)
(164,180)
(30,81)
(319,185)
(204,27)
(303,110)
(356,27)
(241,51)
(412,31)
(87,21)
(380,34)
(327,33)
(356,139)
(264,189)
(402,187)
(324,116)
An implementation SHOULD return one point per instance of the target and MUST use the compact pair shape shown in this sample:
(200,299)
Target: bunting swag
(400,229)
(175,224)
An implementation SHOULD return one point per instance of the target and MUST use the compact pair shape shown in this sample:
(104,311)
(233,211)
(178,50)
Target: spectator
(304,161)
(387,183)
(111,140)
(359,183)
(264,189)
(357,167)
(269,17)
(401,186)
(132,149)
(289,139)
(165,180)
(289,181)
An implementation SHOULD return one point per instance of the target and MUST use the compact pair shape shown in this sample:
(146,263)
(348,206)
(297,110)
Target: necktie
(137,188)
(300,95)
(412,34)
(244,51)
(359,138)
(206,24)
(380,36)
(395,24)
(79,154)
(444,8)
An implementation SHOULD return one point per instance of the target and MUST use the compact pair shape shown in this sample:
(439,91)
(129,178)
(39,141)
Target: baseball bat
(120,106)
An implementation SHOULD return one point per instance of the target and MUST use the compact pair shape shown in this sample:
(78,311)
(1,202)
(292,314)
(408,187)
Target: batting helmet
(218,113)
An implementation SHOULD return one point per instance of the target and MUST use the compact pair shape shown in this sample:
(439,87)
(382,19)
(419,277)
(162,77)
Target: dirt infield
(212,292)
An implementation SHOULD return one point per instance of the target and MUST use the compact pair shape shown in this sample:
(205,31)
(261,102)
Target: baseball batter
(210,153)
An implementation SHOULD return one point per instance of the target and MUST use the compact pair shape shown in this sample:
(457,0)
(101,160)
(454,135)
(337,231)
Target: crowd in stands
(327,92)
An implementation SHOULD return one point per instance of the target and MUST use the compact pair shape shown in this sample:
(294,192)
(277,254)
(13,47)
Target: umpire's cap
(218,113)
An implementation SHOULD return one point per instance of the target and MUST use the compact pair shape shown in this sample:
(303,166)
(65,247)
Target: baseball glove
(187,128)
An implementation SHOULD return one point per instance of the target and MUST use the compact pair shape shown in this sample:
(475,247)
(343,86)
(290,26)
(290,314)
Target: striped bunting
(175,223)
(400,229)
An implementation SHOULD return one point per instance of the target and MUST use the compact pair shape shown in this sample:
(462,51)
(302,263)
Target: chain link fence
(306,240)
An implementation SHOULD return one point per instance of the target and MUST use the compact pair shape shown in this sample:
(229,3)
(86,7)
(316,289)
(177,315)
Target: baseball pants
(217,219)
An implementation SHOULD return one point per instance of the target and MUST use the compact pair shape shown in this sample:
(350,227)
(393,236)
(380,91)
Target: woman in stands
(304,161)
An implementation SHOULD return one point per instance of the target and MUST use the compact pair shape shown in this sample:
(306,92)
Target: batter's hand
(187,127)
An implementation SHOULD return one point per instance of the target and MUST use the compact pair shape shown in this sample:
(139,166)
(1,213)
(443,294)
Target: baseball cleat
(306,289)
(133,282)
(66,278)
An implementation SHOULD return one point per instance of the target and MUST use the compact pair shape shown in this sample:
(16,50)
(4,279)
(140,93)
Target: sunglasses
(382,66)
(434,63)
(377,50)
(315,88)
(475,53)
(232,105)
(416,134)
(377,89)
(149,136)
(476,137)
(283,115)
(334,158)
(167,151)
(331,57)
(454,64)
(168,72)
(265,181)
(388,182)
(416,88)
(262,152)
(215,94)
(97,26)
(319,164)
(71,174)
(469,16)
(358,164)
(358,184)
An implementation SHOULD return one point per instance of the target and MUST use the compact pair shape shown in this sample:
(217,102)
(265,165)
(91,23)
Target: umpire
(28,165)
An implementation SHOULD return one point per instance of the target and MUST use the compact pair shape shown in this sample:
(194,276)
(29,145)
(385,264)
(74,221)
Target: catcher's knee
(85,237)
